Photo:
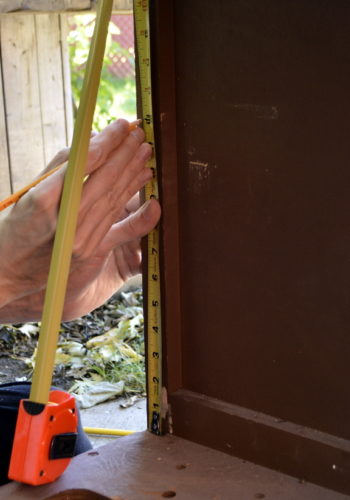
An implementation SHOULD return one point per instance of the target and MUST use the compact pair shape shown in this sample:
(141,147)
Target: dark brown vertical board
(254,111)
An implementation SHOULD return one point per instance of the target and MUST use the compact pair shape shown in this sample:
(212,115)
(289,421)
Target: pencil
(13,198)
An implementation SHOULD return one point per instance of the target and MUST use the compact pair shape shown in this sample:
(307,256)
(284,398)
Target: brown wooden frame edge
(304,453)
(163,73)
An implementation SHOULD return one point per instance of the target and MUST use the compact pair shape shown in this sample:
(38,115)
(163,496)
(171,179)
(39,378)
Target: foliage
(117,354)
(117,97)
(106,345)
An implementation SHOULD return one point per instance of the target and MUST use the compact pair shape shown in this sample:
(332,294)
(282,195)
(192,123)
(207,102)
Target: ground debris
(105,345)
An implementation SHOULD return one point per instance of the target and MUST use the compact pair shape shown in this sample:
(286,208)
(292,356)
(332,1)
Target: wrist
(22,310)
(7,291)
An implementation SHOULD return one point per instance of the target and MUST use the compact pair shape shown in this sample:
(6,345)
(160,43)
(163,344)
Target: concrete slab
(111,415)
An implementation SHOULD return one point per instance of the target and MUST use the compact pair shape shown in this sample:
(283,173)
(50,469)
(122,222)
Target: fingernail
(148,174)
(144,209)
(134,125)
(145,152)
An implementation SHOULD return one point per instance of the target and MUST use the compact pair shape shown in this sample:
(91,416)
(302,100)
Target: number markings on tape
(153,327)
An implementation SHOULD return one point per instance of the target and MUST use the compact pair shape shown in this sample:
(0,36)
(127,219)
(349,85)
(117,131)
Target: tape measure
(153,330)
(46,428)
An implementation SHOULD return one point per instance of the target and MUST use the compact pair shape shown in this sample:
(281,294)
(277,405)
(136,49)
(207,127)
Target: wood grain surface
(144,467)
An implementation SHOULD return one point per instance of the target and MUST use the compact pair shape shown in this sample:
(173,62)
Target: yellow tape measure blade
(153,324)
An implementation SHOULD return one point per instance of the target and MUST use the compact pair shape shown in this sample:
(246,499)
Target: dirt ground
(18,344)
(15,370)
(12,369)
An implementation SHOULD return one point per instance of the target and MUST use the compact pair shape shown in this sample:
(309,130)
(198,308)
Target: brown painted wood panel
(262,210)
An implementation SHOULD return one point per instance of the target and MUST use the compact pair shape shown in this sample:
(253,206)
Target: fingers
(101,146)
(107,141)
(116,163)
(104,213)
(109,189)
(112,149)
(110,155)
(129,259)
(133,227)
(124,164)
(132,205)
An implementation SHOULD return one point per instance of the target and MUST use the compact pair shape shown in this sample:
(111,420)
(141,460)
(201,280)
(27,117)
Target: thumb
(133,227)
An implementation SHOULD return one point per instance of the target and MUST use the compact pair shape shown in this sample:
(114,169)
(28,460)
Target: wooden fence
(36,118)
(58,5)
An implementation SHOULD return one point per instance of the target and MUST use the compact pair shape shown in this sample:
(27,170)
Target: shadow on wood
(78,495)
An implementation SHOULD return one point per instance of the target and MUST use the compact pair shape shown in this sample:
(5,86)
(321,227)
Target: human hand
(110,224)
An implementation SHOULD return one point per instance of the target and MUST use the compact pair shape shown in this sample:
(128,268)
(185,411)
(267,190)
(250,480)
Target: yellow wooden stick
(68,215)
(13,198)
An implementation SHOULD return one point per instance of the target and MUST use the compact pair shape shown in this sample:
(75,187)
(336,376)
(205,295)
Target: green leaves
(117,97)
(106,345)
